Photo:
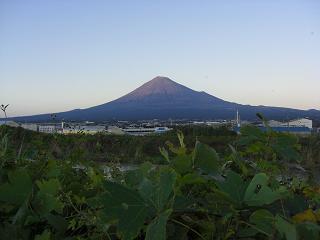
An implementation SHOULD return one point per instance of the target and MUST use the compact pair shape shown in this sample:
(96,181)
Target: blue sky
(64,54)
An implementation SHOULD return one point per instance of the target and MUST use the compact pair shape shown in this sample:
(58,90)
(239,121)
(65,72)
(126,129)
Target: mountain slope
(162,92)
(162,98)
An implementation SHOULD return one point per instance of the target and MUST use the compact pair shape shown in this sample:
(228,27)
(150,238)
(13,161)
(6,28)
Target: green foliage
(243,192)
(126,206)
(268,145)
(105,148)
(17,189)
(263,221)
(258,193)
(206,159)
(46,199)
(157,228)
(233,187)
(285,229)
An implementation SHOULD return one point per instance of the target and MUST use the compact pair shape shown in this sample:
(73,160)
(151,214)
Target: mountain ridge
(163,98)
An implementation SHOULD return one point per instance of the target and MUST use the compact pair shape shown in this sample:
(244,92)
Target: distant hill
(162,98)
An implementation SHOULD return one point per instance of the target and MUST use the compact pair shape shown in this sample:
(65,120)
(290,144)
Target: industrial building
(302,122)
(145,131)
(47,128)
(290,129)
(301,126)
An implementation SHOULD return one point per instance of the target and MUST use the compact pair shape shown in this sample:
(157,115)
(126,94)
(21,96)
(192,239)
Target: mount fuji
(162,98)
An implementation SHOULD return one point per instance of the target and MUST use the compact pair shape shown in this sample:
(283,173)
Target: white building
(47,128)
(145,131)
(302,122)
(198,123)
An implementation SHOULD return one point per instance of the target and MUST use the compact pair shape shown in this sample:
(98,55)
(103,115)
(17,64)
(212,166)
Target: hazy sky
(64,54)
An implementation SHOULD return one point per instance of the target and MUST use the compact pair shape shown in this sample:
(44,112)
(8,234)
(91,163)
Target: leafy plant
(196,193)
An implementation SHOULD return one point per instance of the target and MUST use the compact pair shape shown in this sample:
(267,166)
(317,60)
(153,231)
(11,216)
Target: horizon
(57,56)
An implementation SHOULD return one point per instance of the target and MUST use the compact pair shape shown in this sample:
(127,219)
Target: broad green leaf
(191,178)
(166,184)
(258,193)
(147,190)
(46,198)
(206,159)
(159,192)
(234,187)
(182,163)
(133,178)
(263,220)
(156,230)
(17,189)
(285,228)
(126,206)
